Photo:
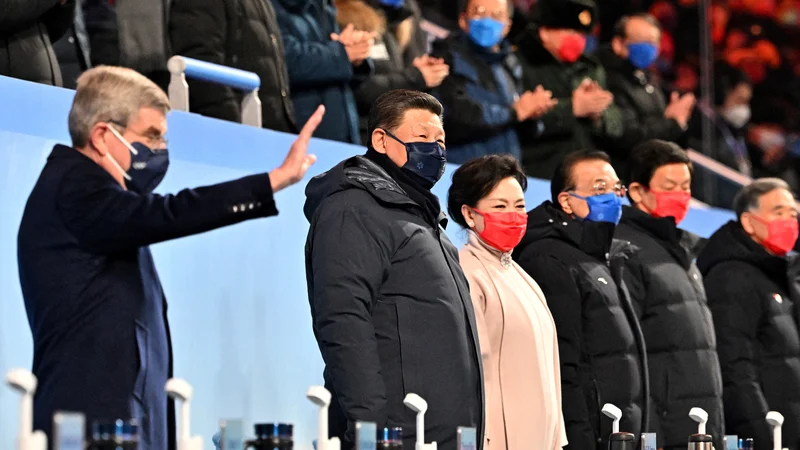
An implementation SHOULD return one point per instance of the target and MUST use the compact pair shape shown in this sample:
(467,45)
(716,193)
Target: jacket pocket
(404,324)
(142,353)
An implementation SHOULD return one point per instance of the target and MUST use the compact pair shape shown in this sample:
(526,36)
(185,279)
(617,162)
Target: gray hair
(111,94)
(748,198)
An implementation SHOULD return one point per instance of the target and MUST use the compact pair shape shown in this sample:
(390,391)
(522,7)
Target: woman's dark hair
(476,178)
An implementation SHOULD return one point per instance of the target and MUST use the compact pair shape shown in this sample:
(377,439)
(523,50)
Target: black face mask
(425,159)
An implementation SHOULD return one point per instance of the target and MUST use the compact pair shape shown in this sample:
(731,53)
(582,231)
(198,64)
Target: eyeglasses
(601,187)
(481,12)
(154,141)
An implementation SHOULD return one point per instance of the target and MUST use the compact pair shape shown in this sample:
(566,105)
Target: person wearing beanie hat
(551,52)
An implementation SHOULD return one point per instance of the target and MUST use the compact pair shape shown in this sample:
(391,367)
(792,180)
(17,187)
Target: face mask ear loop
(114,161)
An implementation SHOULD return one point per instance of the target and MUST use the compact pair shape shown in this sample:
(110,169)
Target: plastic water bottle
(749,444)
(390,438)
(272,436)
(116,435)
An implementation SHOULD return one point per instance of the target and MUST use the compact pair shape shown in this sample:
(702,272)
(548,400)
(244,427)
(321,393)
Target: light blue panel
(238,305)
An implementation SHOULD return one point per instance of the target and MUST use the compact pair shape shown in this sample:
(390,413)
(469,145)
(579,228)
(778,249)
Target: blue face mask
(603,207)
(148,166)
(591,45)
(486,31)
(642,54)
(425,159)
(392,3)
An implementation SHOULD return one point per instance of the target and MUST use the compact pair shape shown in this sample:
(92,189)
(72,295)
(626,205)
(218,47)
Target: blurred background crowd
(536,79)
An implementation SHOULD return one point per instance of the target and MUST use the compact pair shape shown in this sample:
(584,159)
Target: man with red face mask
(668,296)
(551,52)
(752,300)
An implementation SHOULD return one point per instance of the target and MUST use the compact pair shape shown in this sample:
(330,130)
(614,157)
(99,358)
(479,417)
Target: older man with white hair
(95,304)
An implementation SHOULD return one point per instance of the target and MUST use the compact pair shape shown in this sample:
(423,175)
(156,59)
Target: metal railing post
(181,67)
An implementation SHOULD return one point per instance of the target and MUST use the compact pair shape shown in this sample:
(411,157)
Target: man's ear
(747,223)
(379,140)
(563,200)
(635,191)
(97,139)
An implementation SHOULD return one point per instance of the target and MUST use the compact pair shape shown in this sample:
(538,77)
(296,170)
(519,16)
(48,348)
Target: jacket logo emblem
(777,298)
(602,280)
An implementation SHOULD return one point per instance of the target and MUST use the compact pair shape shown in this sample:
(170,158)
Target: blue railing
(181,67)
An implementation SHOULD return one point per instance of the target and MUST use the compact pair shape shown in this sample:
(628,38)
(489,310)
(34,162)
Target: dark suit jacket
(95,305)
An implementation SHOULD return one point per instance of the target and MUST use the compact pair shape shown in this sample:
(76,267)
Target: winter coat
(520,352)
(478,98)
(600,342)
(238,33)
(391,308)
(755,312)
(641,103)
(670,302)
(95,305)
(319,71)
(563,133)
(28,29)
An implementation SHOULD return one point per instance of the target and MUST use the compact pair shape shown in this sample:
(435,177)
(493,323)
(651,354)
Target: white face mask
(738,115)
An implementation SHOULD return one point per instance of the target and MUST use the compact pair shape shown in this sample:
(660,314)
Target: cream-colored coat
(519,350)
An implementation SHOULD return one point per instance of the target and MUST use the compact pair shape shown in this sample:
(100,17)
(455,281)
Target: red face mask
(571,47)
(503,230)
(672,204)
(781,235)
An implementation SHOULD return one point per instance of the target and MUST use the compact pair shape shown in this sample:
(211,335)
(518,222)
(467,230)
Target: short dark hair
(388,110)
(748,198)
(726,78)
(647,157)
(622,24)
(509,3)
(562,178)
(476,178)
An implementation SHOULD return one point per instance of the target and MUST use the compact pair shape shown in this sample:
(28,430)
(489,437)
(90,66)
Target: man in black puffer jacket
(753,302)
(668,295)
(645,112)
(28,29)
(568,250)
(239,33)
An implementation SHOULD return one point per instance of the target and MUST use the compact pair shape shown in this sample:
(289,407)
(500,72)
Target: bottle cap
(118,430)
(274,430)
(627,437)
(700,438)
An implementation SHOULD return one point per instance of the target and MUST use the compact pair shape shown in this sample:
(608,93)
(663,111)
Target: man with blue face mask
(482,96)
(391,307)
(646,114)
(96,308)
(569,250)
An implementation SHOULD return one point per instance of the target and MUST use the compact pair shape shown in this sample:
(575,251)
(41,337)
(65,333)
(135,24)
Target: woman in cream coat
(517,334)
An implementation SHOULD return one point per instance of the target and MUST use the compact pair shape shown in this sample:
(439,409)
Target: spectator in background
(569,250)
(668,296)
(551,52)
(483,96)
(390,70)
(519,346)
(733,91)
(130,34)
(646,115)
(324,64)
(243,34)
(28,29)
(753,302)
(72,50)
